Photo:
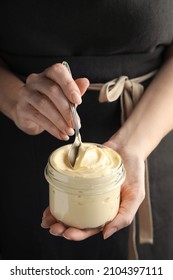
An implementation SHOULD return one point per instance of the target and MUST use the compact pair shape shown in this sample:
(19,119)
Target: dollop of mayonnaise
(93,161)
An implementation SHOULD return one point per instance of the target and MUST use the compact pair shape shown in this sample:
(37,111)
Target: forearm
(152,118)
(9,90)
(42,103)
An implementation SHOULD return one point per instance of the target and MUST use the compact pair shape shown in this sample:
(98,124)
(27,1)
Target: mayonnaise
(87,195)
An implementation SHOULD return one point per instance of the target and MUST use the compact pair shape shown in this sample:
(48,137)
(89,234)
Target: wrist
(9,104)
(129,139)
(10,92)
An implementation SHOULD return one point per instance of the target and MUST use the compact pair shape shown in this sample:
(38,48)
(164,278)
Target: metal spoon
(74,149)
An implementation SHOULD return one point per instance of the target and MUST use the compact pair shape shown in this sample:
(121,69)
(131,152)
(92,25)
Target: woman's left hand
(132,195)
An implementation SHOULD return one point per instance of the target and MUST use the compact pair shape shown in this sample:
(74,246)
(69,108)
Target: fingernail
(43,225)
(65,137)
(109,232)
(70,131)
(44,215)
(55,234)
(76,98)
(68,238)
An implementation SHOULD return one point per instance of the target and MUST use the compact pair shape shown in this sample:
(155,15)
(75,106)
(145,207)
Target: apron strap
(130,92)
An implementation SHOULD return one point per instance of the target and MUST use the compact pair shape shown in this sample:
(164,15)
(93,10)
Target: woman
(100,42)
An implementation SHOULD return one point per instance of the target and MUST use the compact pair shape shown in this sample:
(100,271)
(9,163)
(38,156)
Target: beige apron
(130,92)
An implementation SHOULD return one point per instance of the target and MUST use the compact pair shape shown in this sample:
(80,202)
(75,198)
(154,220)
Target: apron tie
(130,91)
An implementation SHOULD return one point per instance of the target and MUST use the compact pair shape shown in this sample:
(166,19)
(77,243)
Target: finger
(46,108)
(54,93)
(121,221)
(57,229)
(34,116)
(52,88)
(78,234)
(48,221)
(125,216)
(82,84)
(60,74)
(46,212)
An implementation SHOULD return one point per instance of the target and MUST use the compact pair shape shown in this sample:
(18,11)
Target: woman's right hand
(43,102)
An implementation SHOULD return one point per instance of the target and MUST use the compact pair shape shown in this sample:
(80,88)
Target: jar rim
(70,180)
(72,183)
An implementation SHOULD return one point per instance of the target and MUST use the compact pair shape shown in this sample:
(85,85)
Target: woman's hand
(43,102)
(132,194)
(132,190)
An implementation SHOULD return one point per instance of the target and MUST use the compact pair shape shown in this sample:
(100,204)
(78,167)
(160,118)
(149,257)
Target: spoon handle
(74,114)
(73,108)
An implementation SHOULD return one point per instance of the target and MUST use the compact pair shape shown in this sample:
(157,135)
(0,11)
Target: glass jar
(84,201)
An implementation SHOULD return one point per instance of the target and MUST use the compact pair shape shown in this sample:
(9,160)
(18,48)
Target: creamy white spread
(92,160)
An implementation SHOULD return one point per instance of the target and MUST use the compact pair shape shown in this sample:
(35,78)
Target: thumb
(83,84)
(123,219)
